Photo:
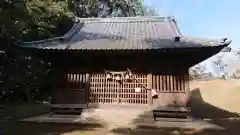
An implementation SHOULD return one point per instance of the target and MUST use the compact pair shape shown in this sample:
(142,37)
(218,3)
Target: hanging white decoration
(137,89)
(154,93)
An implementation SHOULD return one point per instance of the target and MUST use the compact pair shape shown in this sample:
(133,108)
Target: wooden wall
(172,89)
(169,82)
(91,86)
(71,88)
(84,88)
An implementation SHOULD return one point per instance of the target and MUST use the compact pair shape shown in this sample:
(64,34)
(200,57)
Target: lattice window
(170,83)
(111,91)
(97,85)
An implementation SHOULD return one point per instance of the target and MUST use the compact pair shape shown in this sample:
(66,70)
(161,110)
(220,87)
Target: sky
(214,19)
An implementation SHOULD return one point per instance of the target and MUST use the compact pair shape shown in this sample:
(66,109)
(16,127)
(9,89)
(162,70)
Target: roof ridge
(127,19)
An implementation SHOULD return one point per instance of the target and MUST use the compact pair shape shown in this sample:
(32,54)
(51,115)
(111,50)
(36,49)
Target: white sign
(154,93)
(137,89)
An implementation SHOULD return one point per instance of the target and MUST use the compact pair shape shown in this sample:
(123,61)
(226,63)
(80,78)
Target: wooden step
(170,113)
(67,111)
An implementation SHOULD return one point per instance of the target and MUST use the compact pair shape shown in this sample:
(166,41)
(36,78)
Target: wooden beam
(149,85)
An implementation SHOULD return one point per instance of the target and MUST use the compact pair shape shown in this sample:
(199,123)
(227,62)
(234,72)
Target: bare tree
(237,53)
(197,72)
(222,67)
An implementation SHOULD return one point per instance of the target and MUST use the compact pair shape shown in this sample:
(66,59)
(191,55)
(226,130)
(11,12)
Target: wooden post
(87,88)
(149,85)
(187,87)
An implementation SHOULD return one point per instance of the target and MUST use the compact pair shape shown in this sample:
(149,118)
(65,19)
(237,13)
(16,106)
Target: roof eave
(65,37)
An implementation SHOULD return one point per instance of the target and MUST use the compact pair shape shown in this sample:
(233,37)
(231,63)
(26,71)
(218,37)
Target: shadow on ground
(22,128)
(9,125)
(200,110)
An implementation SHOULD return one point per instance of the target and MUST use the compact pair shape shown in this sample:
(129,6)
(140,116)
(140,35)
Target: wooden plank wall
(73,81)
(172,90)
(71,89)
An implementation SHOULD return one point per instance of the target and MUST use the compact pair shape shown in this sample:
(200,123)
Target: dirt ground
(215,101)
(224,94)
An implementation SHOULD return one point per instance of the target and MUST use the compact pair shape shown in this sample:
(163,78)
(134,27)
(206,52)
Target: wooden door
(112,92)
(101,90)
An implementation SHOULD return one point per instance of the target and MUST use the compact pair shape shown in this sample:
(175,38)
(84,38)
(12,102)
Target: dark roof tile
(124,33)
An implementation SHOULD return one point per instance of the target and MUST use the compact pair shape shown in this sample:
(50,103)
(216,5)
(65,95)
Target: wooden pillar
(187,87)
(187,82)
(149,85)
(87,89)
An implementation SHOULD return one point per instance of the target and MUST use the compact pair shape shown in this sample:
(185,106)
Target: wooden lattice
(170,83)
(111,91)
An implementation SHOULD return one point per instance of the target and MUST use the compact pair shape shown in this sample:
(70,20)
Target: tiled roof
(122,33)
